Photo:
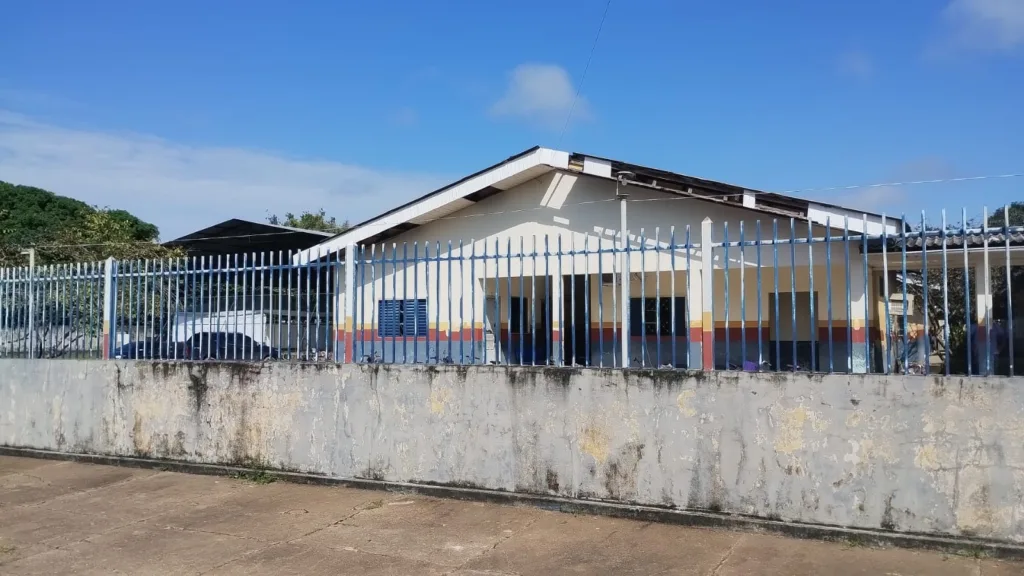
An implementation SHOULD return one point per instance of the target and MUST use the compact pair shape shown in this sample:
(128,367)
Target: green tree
(69,238)
(105,234)
(307,220)
(63,229)
(1016,216)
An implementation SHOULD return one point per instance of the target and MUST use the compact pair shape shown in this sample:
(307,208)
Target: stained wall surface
(919,454)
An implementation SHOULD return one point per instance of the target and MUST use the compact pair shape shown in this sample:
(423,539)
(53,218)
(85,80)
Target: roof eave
(505,171)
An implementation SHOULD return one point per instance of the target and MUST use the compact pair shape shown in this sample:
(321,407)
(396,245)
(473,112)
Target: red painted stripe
(707,350)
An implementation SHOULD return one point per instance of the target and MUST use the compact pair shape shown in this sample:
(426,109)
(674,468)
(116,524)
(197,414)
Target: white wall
(576,210)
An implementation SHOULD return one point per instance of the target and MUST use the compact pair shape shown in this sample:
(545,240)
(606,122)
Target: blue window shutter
(415,317)
(636,327)
(387,323)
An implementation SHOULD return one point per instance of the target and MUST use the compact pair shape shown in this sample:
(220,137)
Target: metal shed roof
(237,236)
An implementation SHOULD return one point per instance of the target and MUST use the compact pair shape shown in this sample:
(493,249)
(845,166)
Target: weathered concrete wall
(933,455)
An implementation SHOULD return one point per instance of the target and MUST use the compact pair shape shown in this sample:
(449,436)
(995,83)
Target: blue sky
(191,112)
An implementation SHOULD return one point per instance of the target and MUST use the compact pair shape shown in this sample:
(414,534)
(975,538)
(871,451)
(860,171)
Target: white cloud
(542,94)
(185,188)
(986,24)
(856,64)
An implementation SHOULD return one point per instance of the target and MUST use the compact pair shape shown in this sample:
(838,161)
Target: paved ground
(67,518)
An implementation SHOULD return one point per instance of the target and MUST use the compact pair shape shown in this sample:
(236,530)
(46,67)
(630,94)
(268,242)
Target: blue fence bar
(814,315)
(792,289)
(926,287)
(849,298)
(743,302)
(760,291)
(828,290)
(1009,288)
(987,314)
(725,233)
(672,287)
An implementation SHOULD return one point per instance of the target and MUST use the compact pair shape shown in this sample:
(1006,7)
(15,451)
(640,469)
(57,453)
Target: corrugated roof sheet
(914,242)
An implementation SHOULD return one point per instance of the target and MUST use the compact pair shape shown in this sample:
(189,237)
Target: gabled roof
(536,161)
(236,236)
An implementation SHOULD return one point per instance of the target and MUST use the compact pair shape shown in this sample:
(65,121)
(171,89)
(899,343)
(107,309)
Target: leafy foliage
(63,229)
(104,234)
(1016,216)
(307,220)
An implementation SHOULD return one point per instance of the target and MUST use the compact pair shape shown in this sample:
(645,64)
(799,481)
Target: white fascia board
(597,167)
(825,215)
(493,177)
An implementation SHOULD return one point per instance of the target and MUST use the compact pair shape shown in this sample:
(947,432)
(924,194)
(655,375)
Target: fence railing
(850,296)
(52,311)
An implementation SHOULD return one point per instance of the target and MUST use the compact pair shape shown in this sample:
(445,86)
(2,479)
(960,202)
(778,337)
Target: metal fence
(52,311)
(852,296)
(238,307)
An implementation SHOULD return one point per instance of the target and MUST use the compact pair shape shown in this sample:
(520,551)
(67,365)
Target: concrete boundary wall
(936,456)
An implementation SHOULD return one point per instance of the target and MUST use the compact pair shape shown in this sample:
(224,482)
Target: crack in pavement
(270,545)
(501,540)
(88,539)
(728,553)
(84,540)
(73,493)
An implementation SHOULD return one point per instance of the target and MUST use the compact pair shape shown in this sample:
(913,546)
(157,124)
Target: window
(402,318)
(645,313)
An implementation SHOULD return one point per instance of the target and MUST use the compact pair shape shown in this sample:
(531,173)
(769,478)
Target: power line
(894,184)
(146,242)
(712,196)
(586,68)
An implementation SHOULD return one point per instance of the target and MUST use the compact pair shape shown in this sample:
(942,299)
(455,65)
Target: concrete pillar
(109,308)
(347,306)
(707,270)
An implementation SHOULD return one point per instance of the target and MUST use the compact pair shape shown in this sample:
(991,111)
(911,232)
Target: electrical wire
(586,68)
(384,225)
(895,184)
(137,242)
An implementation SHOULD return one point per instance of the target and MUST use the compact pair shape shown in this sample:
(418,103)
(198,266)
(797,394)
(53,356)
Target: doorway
(801,342)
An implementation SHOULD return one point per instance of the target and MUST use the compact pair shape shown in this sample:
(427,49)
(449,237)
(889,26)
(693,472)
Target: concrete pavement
(64,518)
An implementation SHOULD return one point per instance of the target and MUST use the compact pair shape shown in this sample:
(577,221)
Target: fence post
(350,300)
(707,271)
(4,328)
(31,302)
(108,307)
